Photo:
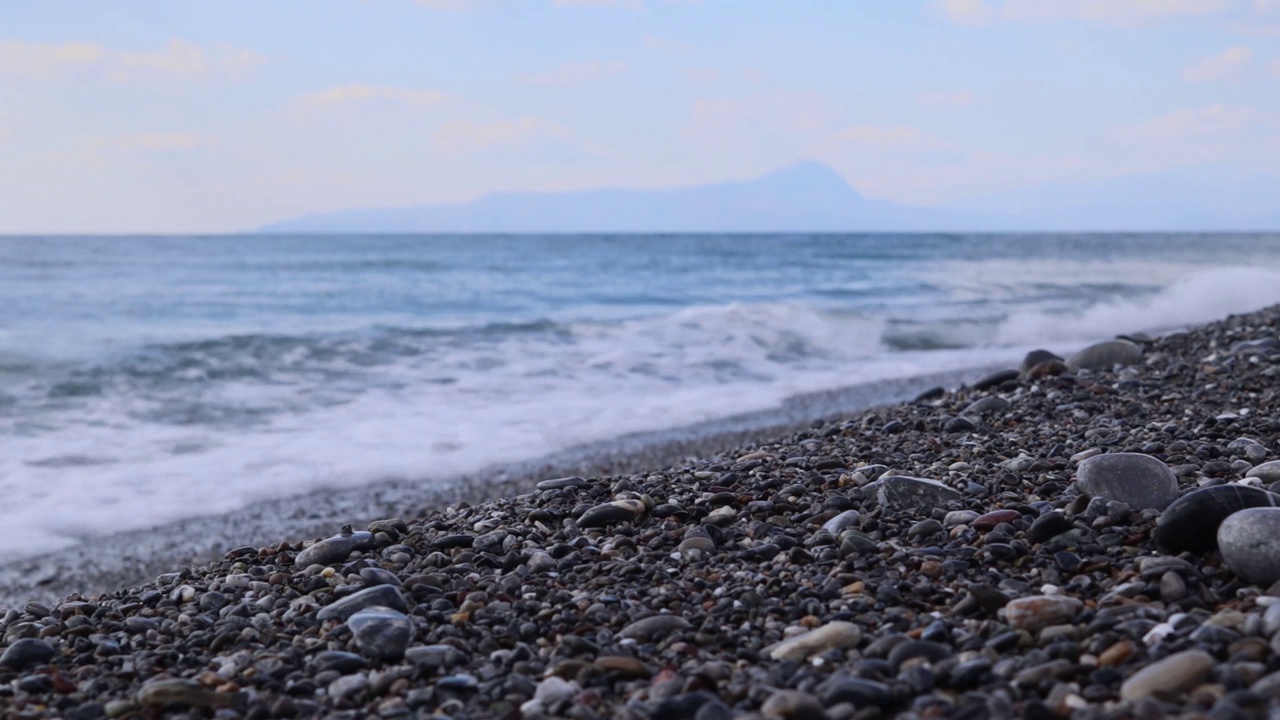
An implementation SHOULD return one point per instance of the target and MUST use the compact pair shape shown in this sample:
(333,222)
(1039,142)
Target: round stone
(27,651)
(1105,355)
(1141,481)
(1177,673)
(1191,523)
(384,595)
(381,632)
(899,492)
(1250,544)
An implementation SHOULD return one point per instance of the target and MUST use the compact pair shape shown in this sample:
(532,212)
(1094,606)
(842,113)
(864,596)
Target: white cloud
(1122,12)
(1210,122)
(1275,68)
(151,142)
(464,137)
(361,94)
(965,12)
(627,4)
(958,98)
(890,138)
(571,74)
(1230,65)
(178,59)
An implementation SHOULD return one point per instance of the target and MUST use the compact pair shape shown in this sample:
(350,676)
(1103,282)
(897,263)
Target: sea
(145,380)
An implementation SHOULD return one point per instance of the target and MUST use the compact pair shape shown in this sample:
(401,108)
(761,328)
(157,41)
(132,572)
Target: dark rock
(899,492)
(1048,526)
(959,424)
(611,513)
(1034,358)
(27,651)
(338,661)
(381,632)
(1191,522)
(995,379)
(334,550)
(384,595)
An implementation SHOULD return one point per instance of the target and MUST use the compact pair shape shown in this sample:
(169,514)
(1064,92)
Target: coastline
(100,564)
(1045,545)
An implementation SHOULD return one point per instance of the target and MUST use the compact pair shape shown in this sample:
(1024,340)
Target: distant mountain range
(811,197)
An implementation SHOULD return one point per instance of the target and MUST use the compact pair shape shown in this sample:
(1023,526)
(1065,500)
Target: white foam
(1191,299)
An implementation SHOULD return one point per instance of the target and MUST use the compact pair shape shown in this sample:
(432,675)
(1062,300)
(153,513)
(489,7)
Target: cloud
(1275,68)
(626,4)
(965,12)
(151,142)
(178,59)
(890,138)
(361,94)
(451,5)
(1204,123)
(463,137)
(958,98)
(1230,65)
(571,74)
(1121,12)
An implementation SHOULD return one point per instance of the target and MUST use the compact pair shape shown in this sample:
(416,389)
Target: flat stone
(793,705)
(959,424)
(343,663)
(911,649)
(384,595)
(1250,544)
(381,633)
(989,520)
(27,651)
(1172,675)
(623,665)
(434,656)
(995,379)
(834,635)
(1105,355)
(859,692)
(1048,526)
(899,492)
(181,691)
(653,627)
(842,522)
(990,403)
(1040,611)
(333,550)
(1191,523)
(562,483)
(1141,481)
(1267,472)
(611,513)
(959,517)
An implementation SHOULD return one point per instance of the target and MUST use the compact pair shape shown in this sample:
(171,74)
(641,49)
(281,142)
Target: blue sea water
(149,379)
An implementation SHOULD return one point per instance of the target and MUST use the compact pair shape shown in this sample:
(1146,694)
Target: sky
(158,116)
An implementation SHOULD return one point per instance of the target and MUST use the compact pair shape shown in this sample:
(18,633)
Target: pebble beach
(1095,536)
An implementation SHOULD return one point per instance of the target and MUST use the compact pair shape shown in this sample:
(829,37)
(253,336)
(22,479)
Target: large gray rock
(1141,481)
(1105,355)
(1250,544)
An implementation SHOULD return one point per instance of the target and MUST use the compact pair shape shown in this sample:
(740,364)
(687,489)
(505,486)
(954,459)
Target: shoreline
(99,564)
(1068,543)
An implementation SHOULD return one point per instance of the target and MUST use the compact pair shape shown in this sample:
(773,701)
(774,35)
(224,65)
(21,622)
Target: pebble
(181,691)
(654,627)
(1267,472)
(26,651)
(841,522)
(898,492)
(611,513)
(1039,611)
(793,705)
(333,550)
(378,595)
(563,483)
(1141,481)
(381,633)
(1105,355)
(835,635)
(1048,526)
(1034,358)
(1191,523)
(1250,544)
(1172,675)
